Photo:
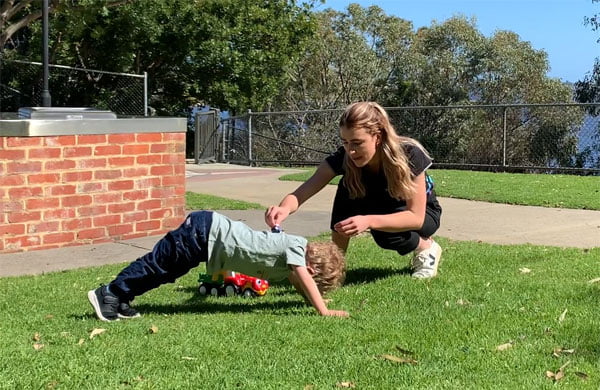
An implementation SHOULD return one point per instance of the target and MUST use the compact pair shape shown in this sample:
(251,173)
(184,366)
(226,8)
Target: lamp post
(46,99)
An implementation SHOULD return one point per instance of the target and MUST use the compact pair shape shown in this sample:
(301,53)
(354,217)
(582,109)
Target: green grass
(194,201)
(451,325)
(564,191)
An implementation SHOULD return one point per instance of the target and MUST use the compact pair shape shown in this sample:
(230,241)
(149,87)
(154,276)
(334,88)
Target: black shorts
(379,203)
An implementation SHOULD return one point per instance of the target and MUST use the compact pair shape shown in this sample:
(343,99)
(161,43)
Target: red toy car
(229,283)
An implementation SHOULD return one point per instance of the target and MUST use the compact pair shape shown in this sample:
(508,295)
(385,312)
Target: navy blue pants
(173,256)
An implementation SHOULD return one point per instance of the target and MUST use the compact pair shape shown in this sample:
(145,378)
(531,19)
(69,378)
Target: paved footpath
(461,220)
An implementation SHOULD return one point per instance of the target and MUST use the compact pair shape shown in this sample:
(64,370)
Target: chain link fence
(521,138)
(21,85)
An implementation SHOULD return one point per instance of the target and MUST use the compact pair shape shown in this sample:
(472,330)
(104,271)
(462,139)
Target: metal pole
(46,99)
(249,137)
(145,93)
(197,138)
(504,138)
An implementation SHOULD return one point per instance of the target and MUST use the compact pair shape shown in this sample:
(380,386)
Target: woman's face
(360,146)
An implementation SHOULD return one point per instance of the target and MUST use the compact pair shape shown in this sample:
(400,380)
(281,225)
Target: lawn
(563,191)
(496,317)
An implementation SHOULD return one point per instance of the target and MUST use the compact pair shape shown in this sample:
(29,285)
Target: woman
(385,188)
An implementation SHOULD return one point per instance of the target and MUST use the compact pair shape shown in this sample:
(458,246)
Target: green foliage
(536,301)
(564,191)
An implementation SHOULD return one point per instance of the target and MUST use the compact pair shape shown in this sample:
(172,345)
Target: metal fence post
(197,138)
(249,137)
(145,93)
(504,124)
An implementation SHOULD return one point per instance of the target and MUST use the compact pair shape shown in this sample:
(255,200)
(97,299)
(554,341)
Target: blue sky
(555,26)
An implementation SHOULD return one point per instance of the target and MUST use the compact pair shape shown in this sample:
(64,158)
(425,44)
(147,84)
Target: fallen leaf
(346,385)
(309,387)
(524,270)
(36,337)
(49,316)
(81,341)
(398,359)
(582,375)
(153,329)
(562,316)
(596,280)
(462,302)
(558,375)
(188,358)
(96,331)
(38,346)
(504,347)
(557,352)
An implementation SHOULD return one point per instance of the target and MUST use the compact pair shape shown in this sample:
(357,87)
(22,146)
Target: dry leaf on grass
(558,375)
(581,375)
(596,280)
(557,352)
(36,337)
(505,346)
(81,341)
(347,385)
(38,346)
(524,270)
(188,358)
(399,359)
(153,329)
(96,331)
(562,316)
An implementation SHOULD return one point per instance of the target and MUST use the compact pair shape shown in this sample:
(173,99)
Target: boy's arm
(301,279)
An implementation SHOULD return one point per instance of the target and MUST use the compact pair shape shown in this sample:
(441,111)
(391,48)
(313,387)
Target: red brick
(76,201)
(109,197)
(61,213)
(43,227)
(21,241)
(120,185)
(43,178)
(91,163)
(180,137)
(136,149)
(121,161)
(24,217)
(12,229)
(11,180)
(77,224)
(59,165)
(70,177)
(135,195)
(24,167)
(91,211)
(61,140)
(118,230)
(12,154)
(24,192)
(85,188)
(171,223)
(148,225)
(12,142)
(67,189)
(160,148)
(135,216)
(91,139)
(150,182)
(107,220)
(43,203)
(107,174)
(172,181)
(149,204)
(107,150)
(159,193)
(78,151)
(124,138)
(45,153)
(135,172)
(160,214)
(161,170)
(151,159)
(173,158)
(57,238)
(149,137)
(121,207)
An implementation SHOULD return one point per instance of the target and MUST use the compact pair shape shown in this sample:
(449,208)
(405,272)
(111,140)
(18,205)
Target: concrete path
(461,220)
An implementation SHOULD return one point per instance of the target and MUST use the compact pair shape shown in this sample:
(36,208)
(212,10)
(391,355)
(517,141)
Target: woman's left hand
(352,226)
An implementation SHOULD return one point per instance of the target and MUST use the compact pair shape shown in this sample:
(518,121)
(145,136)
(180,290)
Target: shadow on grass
(368,275)
(203,306)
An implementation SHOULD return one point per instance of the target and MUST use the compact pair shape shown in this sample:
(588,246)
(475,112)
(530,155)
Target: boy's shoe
(126,311)
(425,263)
(105,303)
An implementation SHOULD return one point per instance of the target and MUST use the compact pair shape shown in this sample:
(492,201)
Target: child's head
(328,264)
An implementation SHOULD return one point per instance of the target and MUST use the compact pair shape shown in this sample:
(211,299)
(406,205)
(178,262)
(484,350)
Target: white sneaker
(425,263)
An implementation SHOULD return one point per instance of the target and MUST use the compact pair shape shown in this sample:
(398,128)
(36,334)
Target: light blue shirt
(234,246)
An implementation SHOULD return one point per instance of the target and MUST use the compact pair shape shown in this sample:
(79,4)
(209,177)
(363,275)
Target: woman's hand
(275,215)
(352,226)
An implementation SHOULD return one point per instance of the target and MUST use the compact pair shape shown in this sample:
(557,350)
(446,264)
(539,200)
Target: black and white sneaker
(105,303)
(126,311)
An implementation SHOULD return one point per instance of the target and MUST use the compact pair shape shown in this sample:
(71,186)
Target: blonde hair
(371,117)
(329,265)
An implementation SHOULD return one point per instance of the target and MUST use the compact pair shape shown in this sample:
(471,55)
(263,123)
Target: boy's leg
(173,256)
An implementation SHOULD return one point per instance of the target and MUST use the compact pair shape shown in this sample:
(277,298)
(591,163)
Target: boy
(206,236)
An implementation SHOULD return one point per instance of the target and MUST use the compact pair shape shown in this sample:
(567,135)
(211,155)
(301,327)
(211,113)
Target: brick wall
(65,190)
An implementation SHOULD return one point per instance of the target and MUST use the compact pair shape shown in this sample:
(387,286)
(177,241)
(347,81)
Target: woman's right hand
(275,215)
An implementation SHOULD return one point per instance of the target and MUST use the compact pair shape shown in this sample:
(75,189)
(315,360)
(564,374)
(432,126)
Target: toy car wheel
(249,293)
(202,290)
(231,290)
(214,292)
